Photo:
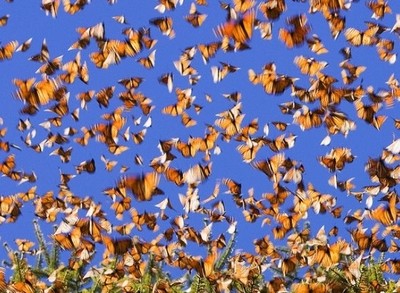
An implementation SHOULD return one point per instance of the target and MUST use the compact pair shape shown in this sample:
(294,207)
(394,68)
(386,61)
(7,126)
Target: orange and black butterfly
(174,175)
(7,165)
(336,159)
(50,7)
(149,61)
(240,30)
(368,113)
(307,118)
(144,186)
(219,73)
(24,46)
(164,24)
(336,22)
(315,44)
(43,56)
(379,8)
(265,29)
(4,20)
(234,187)
(271,166)
(272,9)
(104,95)
(309,66)
(75,7)
(131,83)
(117,246)
(297,34)
(358,38)
(88,166)
(167,79)
(194,17)
(166,5)
(7,51)
(209,50)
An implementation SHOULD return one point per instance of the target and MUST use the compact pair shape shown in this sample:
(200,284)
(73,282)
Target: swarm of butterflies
(163,193)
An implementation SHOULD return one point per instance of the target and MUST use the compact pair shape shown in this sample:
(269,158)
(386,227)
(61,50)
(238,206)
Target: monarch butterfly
(336,159)
(270,167)
(234,187)
(149,61)
(167,79)
(184,68)
(125,229)
(138,138)
(164,24)
(194,17)
(116,246)
(307,118)
(131,83)
(44,55)
(358,38)
(250,149)
(265,247)
(120,19)
(187,121)
(265,29)
(75,7)
(29,195)
(174,175)
(368,113)
(7,51)
(315,45)
(309,66)
(354,71)
(336,23)
(384,49)
(23,287)
(166,5)
(121,206)
(7,165)
(243,5)
(239,30)
(296,36)
(187,149)
(50,7)
(209,50)
(65,155)
(109,165)
(197,174)
(24,46)
(272,9)
(379,8)
(143,186)
(337,121)
(88,166)
(61,108)
(4,20)
(281,126)
(104,95)
(133,47)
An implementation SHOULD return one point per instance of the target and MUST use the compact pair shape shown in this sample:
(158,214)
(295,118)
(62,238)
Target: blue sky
(27,20)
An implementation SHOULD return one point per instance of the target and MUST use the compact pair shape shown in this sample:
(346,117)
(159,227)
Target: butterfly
(209,50)
(144,186)
(240,30)
(149,61)
(164,24)
(297,35)
(194,17)
(7,51)
(365,38)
